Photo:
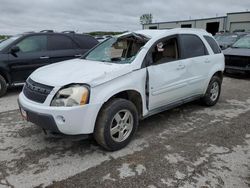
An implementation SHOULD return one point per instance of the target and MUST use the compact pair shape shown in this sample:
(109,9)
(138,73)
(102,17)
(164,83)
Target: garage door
(240,25)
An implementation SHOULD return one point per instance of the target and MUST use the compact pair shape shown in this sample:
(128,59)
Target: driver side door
(32,54)
(167,74)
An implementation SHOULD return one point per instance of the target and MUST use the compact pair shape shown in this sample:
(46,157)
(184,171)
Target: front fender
(134,81)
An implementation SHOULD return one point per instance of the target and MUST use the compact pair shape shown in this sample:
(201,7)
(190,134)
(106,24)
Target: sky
(17,16)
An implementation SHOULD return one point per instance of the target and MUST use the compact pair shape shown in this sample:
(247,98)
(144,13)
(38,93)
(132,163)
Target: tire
(112,117)
(212,94)
(3,86)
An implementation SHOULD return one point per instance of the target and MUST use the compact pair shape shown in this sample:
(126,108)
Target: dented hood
(79,71)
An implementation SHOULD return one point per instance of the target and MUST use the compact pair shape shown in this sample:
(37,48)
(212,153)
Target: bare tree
(146,18)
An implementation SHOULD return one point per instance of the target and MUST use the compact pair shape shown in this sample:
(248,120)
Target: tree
(146,18)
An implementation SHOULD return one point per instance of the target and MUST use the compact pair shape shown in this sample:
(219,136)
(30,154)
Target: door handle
(180,67)
(78,55)
(44,57)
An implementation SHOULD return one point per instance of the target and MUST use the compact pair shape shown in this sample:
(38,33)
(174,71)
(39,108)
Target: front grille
(35,91)
(237,61)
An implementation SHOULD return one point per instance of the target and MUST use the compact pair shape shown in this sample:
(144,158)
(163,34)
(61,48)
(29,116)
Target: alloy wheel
(121,125)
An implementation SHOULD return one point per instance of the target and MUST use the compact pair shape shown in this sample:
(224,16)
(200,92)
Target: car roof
(153,34)
(53,33)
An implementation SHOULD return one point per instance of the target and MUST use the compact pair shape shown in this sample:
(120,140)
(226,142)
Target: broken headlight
(72,95)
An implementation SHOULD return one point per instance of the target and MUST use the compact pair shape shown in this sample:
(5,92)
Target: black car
(20,55)
(237,57)
(228,39)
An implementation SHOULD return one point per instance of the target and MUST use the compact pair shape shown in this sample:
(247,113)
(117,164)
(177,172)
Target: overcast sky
(104,15)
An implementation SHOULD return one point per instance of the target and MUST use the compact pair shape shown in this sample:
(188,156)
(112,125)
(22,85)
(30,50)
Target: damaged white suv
(122,80)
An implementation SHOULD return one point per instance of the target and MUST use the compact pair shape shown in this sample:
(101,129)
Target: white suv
(122,80)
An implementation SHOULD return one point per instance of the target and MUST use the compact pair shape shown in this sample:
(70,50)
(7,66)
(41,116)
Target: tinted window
(192,46)
(213,44)
(85,41)
(33,44)
(7,42)
(165,51)
(60,42)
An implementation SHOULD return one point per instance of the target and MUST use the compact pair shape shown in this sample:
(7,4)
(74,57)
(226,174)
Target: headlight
(73,95)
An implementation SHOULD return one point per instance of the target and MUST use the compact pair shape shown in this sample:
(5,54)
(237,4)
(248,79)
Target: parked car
(228,39)
(123,80)
(237,58)
(20,55)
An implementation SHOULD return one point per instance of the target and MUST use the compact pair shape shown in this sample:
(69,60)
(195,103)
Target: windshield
(227,38)
(243,43)
(7,42)
(117,50)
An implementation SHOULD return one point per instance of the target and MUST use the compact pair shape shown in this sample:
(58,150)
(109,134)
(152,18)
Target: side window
(60,42)
(85,41)
(213,44)
(192,46)
(165,51)
(33,44)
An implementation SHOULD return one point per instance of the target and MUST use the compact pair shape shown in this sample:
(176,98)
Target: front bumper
(65,120)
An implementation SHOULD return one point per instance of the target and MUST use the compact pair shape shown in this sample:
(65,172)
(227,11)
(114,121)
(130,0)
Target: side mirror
(14,50)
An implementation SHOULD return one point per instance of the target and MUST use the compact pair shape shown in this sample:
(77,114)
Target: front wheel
(213,92)
(116,124)
(3,86)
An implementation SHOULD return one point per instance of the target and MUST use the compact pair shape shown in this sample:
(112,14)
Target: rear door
(32,55)
(197,62)
(167,74)
(61,48)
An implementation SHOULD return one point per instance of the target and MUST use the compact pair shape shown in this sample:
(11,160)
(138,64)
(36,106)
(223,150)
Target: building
(231,22)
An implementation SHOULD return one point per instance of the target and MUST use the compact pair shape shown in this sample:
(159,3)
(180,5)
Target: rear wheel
(213,92)
(3,86)
(116,124)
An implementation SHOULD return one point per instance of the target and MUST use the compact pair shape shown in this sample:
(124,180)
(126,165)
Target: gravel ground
(189,146)
(9,101)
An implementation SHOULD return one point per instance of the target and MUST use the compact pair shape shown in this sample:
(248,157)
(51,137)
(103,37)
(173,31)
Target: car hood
(237,51)
(79,71)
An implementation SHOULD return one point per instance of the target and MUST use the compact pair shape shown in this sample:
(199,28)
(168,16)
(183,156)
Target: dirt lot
(190,146)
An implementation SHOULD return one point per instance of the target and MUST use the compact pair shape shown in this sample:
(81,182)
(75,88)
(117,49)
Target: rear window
(192,46)
(60,42)
(85,41)
(213,44)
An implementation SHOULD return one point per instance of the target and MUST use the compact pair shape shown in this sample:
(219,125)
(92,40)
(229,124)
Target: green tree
(146,18)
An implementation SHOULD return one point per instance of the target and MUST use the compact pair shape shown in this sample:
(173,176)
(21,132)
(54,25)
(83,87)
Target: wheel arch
(5,75)
(218,73)
(132,95)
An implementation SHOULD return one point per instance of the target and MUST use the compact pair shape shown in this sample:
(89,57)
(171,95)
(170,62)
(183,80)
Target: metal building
(231,22)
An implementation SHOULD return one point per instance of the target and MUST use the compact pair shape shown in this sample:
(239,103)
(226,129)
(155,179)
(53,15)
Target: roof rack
(47,31)
(68,31)
(27,32)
